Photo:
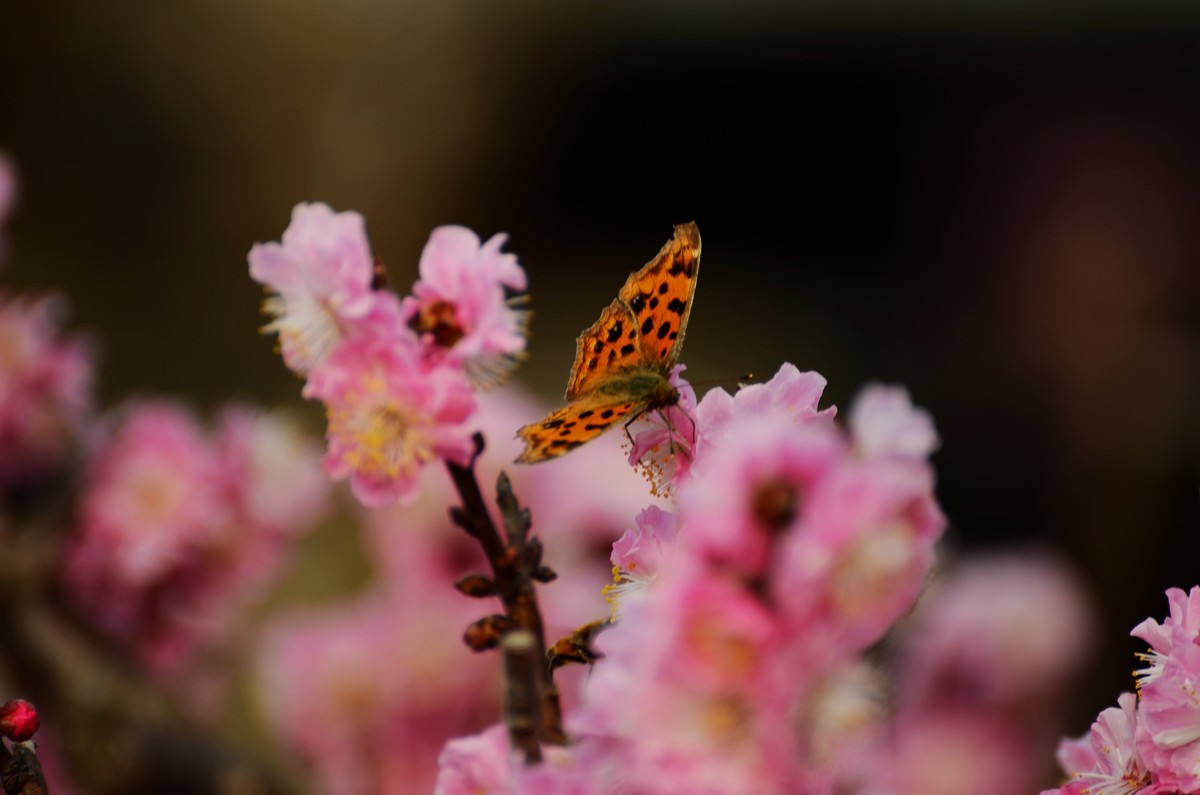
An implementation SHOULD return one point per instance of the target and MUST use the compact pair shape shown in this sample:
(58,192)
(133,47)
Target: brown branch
(22,772)
(516,565)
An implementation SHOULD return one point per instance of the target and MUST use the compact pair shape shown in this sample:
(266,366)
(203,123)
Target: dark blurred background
(993,203)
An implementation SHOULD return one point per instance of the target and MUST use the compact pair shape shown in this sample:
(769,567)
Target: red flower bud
(18,720)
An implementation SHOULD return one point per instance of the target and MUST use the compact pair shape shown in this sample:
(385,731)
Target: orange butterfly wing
(644,327)
(567,428)
(659,297)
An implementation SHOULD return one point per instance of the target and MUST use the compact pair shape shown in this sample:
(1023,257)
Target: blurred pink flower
(689,690)
(997,634)
(883,421)
(152,490)
(860,555)
(753,487)
(479,764)
(459,306)
(272,471)
(790,396)
(45,388)
(663,448)
(367,692)
(1106,762)
(321,277)
(639,554)
(952,753)
(389,415)
(841,724)
(171,541)
(8,195)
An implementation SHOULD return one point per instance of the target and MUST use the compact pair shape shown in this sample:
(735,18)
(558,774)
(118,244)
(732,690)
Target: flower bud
(18,720)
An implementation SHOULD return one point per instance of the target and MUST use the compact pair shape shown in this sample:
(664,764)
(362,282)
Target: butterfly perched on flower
(623,362)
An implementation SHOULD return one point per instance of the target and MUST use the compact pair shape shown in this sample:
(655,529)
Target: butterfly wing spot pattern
(623,361)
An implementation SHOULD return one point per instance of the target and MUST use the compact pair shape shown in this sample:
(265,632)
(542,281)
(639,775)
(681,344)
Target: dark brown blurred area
(992,203)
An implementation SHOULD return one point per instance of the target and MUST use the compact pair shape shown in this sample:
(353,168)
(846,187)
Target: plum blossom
(883,421)
(389,415)
(45,389)
(320,276)
(8,195)
(949,754)
(1168,711)
(172,539)
(862,553)
(996,634)
(664,447)
(689,691)
(459,305)
(1106,762)
(790,396)
(638,555)
(753,489)
(1181,627)
(271,472)
(479,764)
(368,691)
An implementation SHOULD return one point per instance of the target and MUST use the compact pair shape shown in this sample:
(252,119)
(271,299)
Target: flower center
(438,319)
(774,505)
(385,439)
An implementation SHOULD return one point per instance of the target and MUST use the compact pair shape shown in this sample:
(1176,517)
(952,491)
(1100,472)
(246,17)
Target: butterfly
(623,362)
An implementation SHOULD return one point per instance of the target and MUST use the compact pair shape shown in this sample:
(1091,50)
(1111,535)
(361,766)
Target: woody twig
(533,712)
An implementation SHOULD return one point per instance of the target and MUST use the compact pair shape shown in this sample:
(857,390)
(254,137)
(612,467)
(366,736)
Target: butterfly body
(623,361)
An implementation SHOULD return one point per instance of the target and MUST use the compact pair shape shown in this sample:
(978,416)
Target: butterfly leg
(670,431)
(628,436)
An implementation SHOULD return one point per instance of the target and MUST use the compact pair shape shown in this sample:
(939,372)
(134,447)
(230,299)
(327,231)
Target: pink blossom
(663,449)
(321,276)
(1181,627)
(480,764)
(272,471)
(367,692)
(151,490)
(1169,711)
(883,421)
(459,306)
(842,722)
(689,692)
(861,554)
(950,753)
(45,389)
(638,555)
(1112,764)
(389,416)
(997,634)
(790,396)
(171,542)
(8,195)
(754,488)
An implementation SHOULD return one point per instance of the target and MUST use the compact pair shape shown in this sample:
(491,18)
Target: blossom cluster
(794,545)
(178,530)
(367,691)
(395,375)
(1150,742)
(45,390)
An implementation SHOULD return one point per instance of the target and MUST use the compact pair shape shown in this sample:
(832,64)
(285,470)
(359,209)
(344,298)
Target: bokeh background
(993,203)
